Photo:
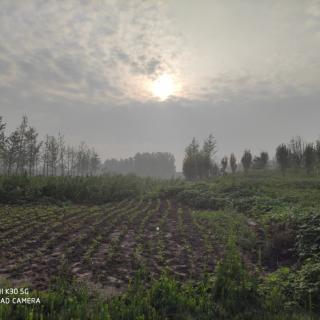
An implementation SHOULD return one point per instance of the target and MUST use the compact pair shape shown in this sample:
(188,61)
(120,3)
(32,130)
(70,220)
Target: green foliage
(201,200)
(231,293)
(223,224)
(198,164)
(235,290)
(293,290)
(255,193)
(274,222)
(164,299)
(93,189)
(307,285)
(308,239)
(277,290)
(246,160)
(67,300)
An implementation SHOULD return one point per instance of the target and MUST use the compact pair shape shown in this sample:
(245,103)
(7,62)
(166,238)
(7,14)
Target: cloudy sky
(128,76)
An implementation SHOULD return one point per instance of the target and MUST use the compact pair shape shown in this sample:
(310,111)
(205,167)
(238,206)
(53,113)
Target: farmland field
(238,247)
(102,244)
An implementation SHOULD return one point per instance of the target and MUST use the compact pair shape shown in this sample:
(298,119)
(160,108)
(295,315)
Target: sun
(163,87)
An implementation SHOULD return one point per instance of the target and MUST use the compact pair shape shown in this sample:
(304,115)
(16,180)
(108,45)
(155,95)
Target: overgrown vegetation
(243,246)
(94,189)
(232,292)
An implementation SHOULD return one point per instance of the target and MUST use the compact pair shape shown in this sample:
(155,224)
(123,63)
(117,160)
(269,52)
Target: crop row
(104,244)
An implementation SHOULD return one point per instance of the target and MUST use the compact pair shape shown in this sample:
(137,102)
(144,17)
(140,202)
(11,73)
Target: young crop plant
(87,257)
(143,224)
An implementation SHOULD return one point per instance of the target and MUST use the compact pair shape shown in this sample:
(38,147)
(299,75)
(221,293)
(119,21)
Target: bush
(308,239)
(68,300)
(307,285)
(97,190)
(234,289)
(293,289)
(278,290)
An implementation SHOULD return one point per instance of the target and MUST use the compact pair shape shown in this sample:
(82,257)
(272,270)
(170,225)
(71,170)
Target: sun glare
(163,87)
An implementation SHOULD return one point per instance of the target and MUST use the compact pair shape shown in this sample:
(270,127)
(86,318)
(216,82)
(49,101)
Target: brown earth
(102,245)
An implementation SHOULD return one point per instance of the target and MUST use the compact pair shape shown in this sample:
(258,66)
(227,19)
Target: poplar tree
(296,152)
(282,157)
(2,144)
(233,163)
(246,160)
(190,162)
(309,155)
(32,150)
(224,164)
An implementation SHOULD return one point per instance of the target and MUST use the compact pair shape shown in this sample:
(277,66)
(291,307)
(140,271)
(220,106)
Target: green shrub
(308,239)
(307,285)
(68,300)
(234,289)
(277,290)
(97,190)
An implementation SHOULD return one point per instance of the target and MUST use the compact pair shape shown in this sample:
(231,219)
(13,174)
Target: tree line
(22,152)
(199,162)
(156,164)
(299,155)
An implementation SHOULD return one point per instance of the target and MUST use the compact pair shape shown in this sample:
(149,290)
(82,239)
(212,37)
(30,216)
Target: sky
(134,75)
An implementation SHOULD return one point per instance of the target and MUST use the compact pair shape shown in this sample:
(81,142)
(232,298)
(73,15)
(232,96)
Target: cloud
(106,51)
(313,8)
(82,50)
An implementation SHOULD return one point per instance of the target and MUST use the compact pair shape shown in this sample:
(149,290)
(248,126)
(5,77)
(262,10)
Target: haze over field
(128,76)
